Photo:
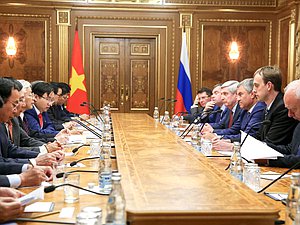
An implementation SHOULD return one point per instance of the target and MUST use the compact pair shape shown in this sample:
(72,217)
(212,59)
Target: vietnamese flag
(77,81)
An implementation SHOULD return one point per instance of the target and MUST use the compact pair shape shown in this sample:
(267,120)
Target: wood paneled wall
(261,29)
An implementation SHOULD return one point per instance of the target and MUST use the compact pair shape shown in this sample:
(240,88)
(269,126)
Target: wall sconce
(11,49)
(234,51)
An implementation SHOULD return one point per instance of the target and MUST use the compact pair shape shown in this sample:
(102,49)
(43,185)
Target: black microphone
(94,111)
(60,175)
(53,187)
(74,150)
(83,159)
(265,122)
(278,178)
(88,128)
(89,123)
(160,107)
(200,118)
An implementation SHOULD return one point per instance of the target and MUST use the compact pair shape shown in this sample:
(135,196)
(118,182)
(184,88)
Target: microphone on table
(83,159)
(89,123)
(94,110)
(203,117)
(169,100)
(264,122)
(160,107)
(88,128)
(278,178)
(60,175)
(53,187)
(74,150)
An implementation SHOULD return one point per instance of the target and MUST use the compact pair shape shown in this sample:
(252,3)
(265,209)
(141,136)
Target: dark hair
(1,102)
(272,74)
(64,87)
(6,87)
(41,88)
(17,83)
(55,87)
(206,90)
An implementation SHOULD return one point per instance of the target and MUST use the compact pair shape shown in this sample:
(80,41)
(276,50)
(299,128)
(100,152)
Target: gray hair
(231,85)
(247,84)
(294,86)
(25,84)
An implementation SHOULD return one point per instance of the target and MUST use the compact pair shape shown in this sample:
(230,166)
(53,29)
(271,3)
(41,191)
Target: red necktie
(41,119)
(230,119)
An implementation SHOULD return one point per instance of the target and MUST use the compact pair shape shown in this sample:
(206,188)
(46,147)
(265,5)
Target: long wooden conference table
(166,181)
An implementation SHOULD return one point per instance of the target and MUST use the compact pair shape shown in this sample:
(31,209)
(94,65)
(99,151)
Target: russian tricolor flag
(184,88)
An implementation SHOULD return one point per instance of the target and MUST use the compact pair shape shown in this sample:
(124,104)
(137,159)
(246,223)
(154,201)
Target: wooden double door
(124,73)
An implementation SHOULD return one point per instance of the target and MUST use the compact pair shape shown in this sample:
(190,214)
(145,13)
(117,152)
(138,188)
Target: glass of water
(71,194)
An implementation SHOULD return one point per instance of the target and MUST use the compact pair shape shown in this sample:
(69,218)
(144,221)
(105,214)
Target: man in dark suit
(267,87)
(19,137)
(203,96)
(291,151)
(252,113)
(56,112)
(9,96)
(232,111)
(38,120)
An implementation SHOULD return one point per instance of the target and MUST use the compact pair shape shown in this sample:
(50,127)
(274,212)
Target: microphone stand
(88,128)
(83,159)
(94,111)
(278,178)
(200,118)
(160,107)
(60,175)
(53,187)
(89,123)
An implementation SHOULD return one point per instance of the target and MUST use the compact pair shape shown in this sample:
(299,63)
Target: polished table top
(166,181)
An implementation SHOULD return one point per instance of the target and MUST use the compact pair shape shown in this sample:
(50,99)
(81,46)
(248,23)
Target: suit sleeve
(4,182)
(35,126)
(26,141)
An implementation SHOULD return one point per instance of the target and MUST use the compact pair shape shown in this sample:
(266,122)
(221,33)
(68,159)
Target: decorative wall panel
(283,54)
(140,83)
(31,57)
(215,64)
(109,76)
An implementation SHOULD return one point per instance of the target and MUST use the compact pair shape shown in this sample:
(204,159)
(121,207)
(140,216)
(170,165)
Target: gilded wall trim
(249,3)
(172,47)
(48,51)
(279,37)
(199,31)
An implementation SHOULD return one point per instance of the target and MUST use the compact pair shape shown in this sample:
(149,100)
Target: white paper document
(77,139)
(40,207)
(255,149)
(270,175)
(37,194)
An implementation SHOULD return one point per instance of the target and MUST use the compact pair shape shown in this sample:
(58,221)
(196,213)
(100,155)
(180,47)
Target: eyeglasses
(14,104)
(47,99)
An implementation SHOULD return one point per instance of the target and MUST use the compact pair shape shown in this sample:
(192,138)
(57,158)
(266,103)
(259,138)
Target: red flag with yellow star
(78,93)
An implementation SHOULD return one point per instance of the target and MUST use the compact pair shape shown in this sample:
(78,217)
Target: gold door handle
(126,92)
(122,94)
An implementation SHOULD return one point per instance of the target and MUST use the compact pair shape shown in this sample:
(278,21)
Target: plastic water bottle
(156,114)
(236,163)
(115,209)
(105,170)
(292,200)
(166,120)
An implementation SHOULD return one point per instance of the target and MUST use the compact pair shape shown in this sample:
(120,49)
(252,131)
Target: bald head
(292,99)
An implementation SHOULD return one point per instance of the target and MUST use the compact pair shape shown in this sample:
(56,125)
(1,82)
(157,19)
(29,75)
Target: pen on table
(222,137)
(45,214)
